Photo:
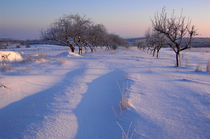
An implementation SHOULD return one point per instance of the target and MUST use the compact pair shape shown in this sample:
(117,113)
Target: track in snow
(74,107)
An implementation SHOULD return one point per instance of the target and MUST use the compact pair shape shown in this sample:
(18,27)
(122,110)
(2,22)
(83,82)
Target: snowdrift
(10,56)
(68,54)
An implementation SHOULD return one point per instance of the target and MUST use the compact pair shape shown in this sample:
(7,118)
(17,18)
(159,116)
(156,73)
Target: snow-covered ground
(56,94)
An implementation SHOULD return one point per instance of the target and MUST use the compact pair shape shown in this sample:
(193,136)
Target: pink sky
(24,19)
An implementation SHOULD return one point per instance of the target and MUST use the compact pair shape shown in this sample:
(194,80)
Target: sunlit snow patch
(10,56)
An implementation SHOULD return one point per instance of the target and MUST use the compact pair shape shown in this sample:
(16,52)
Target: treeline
(78,31)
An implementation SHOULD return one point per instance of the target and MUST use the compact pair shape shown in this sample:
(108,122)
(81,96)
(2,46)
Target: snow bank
(68,54)
(10,56)
(73,54)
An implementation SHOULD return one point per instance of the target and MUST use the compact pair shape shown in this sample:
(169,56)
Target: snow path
(103,98)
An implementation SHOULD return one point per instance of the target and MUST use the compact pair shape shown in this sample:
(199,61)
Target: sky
(25,19)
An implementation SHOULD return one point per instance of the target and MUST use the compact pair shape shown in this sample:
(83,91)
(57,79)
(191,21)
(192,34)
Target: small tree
(160,42)
(176,29)
(141,45)
(154,41)
(149,41)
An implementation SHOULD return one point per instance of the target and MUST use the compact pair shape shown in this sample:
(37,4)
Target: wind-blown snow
(72,96)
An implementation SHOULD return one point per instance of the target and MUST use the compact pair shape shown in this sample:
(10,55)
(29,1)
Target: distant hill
(197,42)
(133,41)
(201,42)
(9,42)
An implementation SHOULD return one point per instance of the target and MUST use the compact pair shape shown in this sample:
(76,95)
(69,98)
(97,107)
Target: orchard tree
(149,40)
(177,29)
(96,35)
(154,41)
(141,45)
(115,41)
(75,30)
(160,42)
(68,30)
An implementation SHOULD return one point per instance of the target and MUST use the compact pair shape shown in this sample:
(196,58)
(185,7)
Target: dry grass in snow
(5,66)
(124,101)
(35,58)
(198,68)
(208,66)
(2,85)
(129,134)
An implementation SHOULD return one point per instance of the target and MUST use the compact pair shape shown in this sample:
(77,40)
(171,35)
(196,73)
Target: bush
(114,47)
(198,68)
(2,46)
(28,46)
(18,46)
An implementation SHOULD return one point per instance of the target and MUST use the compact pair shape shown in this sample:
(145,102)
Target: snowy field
(52,93)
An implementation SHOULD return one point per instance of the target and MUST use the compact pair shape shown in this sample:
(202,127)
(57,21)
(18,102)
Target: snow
(78,96)
(68,54)
(10,56)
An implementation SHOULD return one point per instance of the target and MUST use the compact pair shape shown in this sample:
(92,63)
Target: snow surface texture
(71,96)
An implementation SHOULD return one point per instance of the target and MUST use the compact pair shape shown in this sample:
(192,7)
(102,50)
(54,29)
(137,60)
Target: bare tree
(74,30)
(115,41)
(154,41)
(177,30)
(68,30)
(160,42)
(96,35)
(149,41)
(141,45)
(80,28)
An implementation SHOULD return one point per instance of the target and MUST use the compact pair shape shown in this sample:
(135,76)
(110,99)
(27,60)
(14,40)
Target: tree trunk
(157,53)
(80,50)
(70,46)
(154,50)
(178,60)
(72,49)
(91,50)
